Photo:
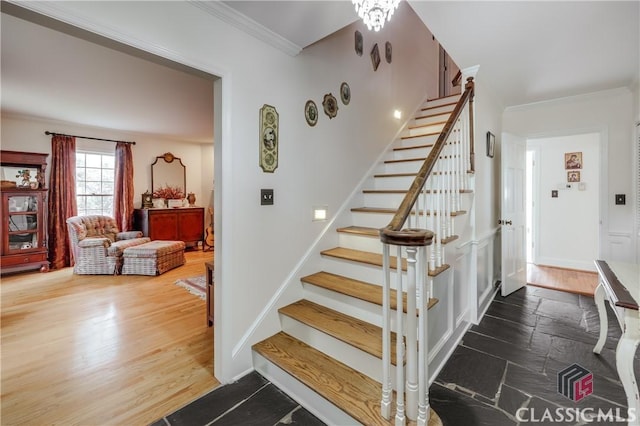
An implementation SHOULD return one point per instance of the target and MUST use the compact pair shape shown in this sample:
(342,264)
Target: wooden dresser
(179,224)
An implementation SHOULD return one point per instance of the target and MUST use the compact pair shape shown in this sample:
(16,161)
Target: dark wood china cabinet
(24,211)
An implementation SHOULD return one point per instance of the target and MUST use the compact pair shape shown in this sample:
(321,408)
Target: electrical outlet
(266,197)
(554,193)
(621,199)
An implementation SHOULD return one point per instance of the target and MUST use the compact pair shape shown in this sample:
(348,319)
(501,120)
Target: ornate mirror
(168,171)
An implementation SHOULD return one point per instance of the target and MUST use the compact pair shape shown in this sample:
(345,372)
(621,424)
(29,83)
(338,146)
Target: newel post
(472,156)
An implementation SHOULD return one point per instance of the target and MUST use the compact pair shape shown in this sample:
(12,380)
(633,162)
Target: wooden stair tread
(431,115)
(444,97)
(404,191)
(357,289)
(360,230)
(351,391)
(346,388)
(426,125)
(374,259)
(427,108)
(404,148)
(384,210)
(386,175)
(419,136)
(353,331)
(375,232)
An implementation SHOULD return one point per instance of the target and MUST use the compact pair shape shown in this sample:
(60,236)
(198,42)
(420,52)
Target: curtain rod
(86,137)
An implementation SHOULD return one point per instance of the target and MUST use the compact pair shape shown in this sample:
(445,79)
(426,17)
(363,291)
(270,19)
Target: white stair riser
(354,270)
(359,242)
(357,308)
(403,167)
(431,118)
(395,182)
(394,200)
(436,110)
(361,361)
(441,101)
(410,153)
(422,140)
(424,130)
(305,396)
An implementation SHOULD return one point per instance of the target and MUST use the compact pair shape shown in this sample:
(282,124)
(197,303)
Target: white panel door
(513,208)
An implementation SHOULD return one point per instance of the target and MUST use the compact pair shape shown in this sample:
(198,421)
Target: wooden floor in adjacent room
(569,280)
(102,350)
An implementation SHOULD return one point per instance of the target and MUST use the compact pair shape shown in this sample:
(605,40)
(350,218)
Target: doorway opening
(563,211)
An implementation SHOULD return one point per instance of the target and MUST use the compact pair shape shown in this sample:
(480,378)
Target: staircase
(330,351)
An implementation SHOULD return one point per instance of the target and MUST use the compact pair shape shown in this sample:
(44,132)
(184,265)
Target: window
(94,183)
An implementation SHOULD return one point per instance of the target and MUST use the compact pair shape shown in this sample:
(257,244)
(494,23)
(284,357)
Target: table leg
(625,353)
(602,314)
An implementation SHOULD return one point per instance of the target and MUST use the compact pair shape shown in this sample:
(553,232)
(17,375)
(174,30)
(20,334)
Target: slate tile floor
(505,365)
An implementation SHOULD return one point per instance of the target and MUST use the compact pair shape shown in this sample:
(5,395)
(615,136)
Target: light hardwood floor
(569,280)
(102,350)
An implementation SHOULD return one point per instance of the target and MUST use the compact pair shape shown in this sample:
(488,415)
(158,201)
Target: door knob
(500,222)
(508,222)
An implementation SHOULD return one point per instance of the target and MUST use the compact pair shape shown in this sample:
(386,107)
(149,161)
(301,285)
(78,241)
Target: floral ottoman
(153,258)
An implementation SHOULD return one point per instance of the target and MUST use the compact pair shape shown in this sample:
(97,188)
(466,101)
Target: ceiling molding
(231,16)
(571,99)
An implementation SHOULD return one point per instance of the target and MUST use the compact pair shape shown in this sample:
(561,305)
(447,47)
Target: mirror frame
(168,158)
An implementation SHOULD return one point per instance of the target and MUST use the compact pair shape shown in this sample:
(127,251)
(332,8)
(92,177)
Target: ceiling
(527,52)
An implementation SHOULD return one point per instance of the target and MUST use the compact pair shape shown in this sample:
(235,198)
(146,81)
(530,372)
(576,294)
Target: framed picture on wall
(573,176)
(573,160)
(375,57)
(491,144)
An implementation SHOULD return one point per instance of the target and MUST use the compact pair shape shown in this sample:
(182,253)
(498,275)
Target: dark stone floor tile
(160,422)
(540,342)
(591,323)
(560,311)
(511,399)
(507,331)
(520,298)
(516,313)
(456,409)
(572,352)
(473,370)
(484,400)
(560,296)
(218,401)
(301,417)
(265,408)
(566,330)
(586,302)
(506,351)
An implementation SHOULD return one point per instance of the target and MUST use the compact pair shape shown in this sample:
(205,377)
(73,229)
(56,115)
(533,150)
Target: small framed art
(345,93)
(268,141)
(491,144)
(573,176)
(572,160)
(358,43)
(375,57)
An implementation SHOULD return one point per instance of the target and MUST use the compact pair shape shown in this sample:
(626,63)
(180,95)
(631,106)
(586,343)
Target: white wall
(569,235)
(257,246)
(20,133)
(611,114)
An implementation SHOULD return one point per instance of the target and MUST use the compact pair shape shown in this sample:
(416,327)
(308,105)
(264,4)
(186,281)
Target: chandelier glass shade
(374,13)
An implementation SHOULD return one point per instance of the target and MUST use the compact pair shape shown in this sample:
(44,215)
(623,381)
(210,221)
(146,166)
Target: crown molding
(231,16)
(571,99)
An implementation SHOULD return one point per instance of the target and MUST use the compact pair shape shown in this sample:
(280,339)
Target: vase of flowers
(169,193)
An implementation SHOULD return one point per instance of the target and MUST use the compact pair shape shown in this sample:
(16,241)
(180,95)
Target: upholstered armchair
(97,244)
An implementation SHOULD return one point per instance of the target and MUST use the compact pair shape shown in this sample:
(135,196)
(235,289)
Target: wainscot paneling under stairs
(329,353)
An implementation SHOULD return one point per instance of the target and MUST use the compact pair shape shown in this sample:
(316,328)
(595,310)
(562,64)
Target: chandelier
(375,12)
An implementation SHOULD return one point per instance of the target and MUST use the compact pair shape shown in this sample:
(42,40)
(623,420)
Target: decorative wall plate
(330,105)
(345,93)
(387,51)
(268,142)
(311,113)
(375,57)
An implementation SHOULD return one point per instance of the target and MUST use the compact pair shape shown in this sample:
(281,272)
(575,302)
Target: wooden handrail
(390,232)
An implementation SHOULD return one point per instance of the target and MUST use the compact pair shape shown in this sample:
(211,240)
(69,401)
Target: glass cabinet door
(23,222)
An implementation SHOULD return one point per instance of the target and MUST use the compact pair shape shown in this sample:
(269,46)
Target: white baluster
(400,417)
(385,404)
(431,227)
(411,336)
(423,358)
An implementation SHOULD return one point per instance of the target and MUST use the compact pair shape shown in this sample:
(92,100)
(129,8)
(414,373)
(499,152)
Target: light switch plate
(621,199)
(266,197)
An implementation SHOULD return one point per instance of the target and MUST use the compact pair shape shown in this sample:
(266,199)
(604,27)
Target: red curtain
(123,188)
(62,199)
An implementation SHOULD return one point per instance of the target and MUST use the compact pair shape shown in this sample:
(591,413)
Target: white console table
(619,283)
